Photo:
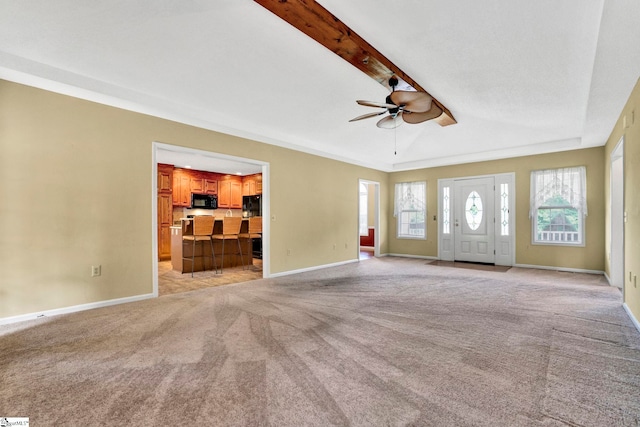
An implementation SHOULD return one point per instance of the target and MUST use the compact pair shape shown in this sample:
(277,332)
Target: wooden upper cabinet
(165,178)
(181,188)
(227,187)
(210,182)
(224,194)
(236,194)
(252,185)
(196,182)
(230,192)
(248,187)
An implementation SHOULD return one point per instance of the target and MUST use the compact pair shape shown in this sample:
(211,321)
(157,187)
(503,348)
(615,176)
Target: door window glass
(473,210)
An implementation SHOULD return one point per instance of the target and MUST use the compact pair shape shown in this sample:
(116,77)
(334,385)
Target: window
(504,209)
(558,206)
(446,210)
(364,201)
(410,209)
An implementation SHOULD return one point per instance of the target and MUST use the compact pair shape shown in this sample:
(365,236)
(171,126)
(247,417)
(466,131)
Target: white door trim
(616,217)
(376,216)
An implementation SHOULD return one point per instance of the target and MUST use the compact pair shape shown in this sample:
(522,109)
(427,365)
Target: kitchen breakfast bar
(182,249)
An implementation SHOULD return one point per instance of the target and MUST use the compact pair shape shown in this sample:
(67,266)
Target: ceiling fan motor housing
(392,111)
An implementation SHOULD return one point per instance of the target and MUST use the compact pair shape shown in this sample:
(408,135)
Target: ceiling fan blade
(390,122)
(413,118)
(416,102)
(366,116)
(376,104)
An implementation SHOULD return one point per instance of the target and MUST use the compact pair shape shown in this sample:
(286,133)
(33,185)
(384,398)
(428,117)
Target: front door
(474,223)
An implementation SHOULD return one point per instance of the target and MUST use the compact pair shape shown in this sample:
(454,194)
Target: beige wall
(589,257)
(76,181)
(76,190)
(631,133)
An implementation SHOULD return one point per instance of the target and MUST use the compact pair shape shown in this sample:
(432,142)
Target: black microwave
(204,201)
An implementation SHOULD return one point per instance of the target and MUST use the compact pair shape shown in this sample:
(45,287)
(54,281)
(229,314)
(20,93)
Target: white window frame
(569,183)
(410,198)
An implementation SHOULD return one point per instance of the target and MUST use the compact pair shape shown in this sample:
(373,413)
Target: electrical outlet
(334,246)
(288,252)
(346,246)
(96,270)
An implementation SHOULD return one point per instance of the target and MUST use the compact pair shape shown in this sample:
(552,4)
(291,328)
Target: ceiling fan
(402,105)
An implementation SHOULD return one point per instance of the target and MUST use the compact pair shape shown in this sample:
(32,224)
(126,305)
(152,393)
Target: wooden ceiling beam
(321,25)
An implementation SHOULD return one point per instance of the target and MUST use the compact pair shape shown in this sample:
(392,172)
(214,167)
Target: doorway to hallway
(368,219)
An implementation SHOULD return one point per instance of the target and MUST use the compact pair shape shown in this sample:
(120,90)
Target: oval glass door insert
(473,210)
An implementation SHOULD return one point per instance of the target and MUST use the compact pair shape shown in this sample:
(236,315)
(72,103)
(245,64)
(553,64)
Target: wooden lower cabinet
(180,249)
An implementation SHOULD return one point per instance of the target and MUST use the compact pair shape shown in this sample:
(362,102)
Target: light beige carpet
(382,342)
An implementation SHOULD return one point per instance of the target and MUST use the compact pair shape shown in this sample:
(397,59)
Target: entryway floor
(173,282)
(470,265)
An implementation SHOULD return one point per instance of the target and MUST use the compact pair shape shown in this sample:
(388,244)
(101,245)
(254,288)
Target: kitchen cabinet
(252,185)
(230,192)
(165,210)
(186,182)
(196,184)
(181,188)
(211,183)
(165,177)
(249,188)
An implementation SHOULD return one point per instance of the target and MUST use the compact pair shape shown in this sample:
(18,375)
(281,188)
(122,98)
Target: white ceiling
(520,77)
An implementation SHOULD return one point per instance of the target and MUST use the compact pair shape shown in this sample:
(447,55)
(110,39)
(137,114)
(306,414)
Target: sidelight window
(410,209)
(558,206)
(446,211)
(504,209)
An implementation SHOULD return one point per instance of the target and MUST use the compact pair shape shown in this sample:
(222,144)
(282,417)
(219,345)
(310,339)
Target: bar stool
(202,230)
(254,232)
(230,230)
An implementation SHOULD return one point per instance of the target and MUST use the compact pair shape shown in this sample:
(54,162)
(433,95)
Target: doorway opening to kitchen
(368,219)
(189,184)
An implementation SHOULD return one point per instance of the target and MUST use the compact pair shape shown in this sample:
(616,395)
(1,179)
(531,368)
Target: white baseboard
(606,276)
(413,256)
(569,270)
(73,309)
(631,316)
(317,267)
